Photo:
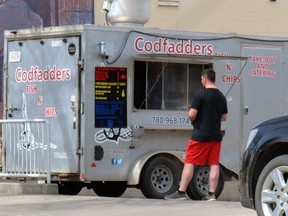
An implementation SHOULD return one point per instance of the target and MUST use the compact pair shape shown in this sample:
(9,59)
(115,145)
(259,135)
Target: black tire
(272,188)
(160,177)
(109,189)
(69,188)
(199,184)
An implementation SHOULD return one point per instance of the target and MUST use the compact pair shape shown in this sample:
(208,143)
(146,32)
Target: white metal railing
(25,149)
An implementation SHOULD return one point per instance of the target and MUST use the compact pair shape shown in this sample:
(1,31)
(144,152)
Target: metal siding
(47,95)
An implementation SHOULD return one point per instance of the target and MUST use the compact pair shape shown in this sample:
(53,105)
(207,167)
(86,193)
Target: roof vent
(127,12)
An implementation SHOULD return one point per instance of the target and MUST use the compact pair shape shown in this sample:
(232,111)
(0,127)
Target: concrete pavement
(28,199)
(230,192)
(54,205)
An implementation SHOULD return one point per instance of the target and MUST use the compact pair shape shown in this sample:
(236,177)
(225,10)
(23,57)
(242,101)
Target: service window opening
(166,86)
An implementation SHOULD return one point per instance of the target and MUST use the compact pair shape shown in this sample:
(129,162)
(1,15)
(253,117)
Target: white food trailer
(115,101)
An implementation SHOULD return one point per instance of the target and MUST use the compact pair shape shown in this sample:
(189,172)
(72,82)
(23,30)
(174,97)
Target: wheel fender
(136,168)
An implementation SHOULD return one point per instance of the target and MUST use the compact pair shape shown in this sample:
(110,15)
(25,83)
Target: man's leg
(187,174)
(213,178)
(213,161)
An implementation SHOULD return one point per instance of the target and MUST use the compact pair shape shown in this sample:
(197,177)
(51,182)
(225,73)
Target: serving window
(166,86)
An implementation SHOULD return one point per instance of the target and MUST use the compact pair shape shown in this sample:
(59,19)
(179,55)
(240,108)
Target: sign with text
(110,97)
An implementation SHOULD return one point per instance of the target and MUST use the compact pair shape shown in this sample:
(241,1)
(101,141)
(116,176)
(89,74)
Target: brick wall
(67,12)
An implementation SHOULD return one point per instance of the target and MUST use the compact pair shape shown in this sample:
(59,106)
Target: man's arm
(192,113)
(224,117)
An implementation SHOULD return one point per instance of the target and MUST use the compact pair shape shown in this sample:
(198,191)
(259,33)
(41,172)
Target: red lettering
(50,112)
(263,73)
(221,54)
(228,67)
(230,78)
(39,100)
(157,46)
(171,48)
(136,44)
(180,47)
(263,59)
(197,49)
(31,89)
(164,45)
(18,75)
(148,46)
(204,47)
(36,75)
(262,66)
(210,50)
(58,74)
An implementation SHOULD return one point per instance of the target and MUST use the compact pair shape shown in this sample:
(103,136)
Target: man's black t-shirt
(211,105)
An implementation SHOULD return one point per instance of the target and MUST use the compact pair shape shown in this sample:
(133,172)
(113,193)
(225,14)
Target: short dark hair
(209,74)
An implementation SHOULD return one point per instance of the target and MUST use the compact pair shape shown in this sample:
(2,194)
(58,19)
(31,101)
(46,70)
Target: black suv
(264,169)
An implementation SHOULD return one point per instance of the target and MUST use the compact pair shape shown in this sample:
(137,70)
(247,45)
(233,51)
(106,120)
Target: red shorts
(202,153)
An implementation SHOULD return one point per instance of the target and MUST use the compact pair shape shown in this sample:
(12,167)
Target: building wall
(257,17)
(70,12)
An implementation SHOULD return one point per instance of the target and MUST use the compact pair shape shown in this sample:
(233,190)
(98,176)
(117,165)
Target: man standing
(208,109)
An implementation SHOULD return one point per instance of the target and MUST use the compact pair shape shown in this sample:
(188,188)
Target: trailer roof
(193,57)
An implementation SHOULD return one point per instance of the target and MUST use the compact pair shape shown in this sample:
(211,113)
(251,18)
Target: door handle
(245,110)
(74,122)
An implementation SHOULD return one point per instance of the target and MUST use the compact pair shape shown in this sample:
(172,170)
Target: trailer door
(42,84)
(261,85)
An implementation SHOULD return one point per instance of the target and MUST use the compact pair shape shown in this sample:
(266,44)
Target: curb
(230,192)
(14,188)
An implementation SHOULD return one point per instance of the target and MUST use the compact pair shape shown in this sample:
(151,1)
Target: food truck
(114,100)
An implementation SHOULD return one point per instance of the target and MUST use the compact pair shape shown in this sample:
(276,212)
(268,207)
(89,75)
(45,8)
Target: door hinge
(79,151)
(5,68)
(80,63)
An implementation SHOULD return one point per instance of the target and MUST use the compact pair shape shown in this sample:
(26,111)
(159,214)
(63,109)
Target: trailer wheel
(199,184)
(69,188)
(109,189)
(272,188)
(160,177)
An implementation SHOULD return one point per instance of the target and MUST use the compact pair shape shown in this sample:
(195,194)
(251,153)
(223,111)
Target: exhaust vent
(128,12)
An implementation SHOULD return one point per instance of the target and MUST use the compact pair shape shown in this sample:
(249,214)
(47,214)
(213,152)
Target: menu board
(110,97)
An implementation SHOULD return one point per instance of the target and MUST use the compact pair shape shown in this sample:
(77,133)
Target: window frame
(188,97)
